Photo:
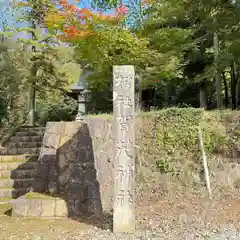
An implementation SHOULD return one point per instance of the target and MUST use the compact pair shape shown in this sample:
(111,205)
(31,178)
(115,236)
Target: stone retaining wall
(76,162)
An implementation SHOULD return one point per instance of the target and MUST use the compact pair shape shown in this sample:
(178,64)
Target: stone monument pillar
(124,155)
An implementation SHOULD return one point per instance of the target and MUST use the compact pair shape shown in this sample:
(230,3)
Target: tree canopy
(185,53)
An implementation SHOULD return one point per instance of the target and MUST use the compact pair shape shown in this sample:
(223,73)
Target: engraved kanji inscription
(129,197)
(120,197)
(124,147)
(123,197)
(123,102)
(121,173)
(125,175)
(124,142)
(124,122)
(123,79)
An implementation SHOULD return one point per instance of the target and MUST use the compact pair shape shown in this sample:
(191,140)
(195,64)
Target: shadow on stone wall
(66,168)
(22,176)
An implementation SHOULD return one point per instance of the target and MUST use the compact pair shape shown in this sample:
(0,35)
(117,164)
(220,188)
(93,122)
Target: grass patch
(177,131)
(13,161)
(5,178)
(168,152)
(35,195)
(5,207)
(104,116)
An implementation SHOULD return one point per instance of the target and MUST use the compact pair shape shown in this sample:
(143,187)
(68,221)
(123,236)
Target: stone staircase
(18,162)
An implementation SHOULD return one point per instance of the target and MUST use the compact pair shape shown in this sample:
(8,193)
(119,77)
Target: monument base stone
(39,208)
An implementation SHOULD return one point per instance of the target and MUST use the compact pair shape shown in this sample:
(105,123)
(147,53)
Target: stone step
(15,145)
(16,183)
(18,174)
(26,128)
(19,151)
(12,193)
(28,151)
(26,139)
(15,166)
(18,158)
(3,151)
(28,133)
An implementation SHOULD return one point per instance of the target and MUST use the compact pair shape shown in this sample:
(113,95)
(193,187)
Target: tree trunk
(32,88)
(233,87)
(225,90)
(237,87)
(31,105)
(155,98)
(174,96)
(218,76)
(166,95)
(202,96)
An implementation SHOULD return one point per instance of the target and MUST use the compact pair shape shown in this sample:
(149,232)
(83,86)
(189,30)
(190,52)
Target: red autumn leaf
(123,10)
(80,18)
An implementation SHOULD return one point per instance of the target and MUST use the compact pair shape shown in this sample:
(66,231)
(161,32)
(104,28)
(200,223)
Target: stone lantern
(80,92)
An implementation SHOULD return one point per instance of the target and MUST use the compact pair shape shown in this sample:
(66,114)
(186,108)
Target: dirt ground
(168,218)
(190,214)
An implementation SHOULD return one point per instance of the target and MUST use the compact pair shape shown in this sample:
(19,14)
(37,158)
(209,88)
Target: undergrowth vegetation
(169,157)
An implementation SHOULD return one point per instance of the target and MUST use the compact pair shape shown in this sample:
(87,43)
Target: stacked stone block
(18,162)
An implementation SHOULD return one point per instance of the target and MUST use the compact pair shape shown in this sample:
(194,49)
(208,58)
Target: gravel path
(185,219)
(77,231)
(97,234)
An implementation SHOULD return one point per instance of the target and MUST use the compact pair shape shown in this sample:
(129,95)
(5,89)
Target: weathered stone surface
(33,208)
(19,151)
(16,174)
(124,149)
(26,139)
(18,171)
(17,165)
(12,193)
(46,162)
(15,183)
(20,144)
(102,141)
(20,207)
(68,164)
(48,207)
(40,208)
(61,209)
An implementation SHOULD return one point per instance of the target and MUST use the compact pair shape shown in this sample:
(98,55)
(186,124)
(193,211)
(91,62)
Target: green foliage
(170,39)
(46,66)
(2,112)
(56,69)
(168,150)
(111,46)
(55,107)
(170,43)
(214,134)
(11,96)
(164,166)
(177,132)
(55,66)
(184,30)
(104,4)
